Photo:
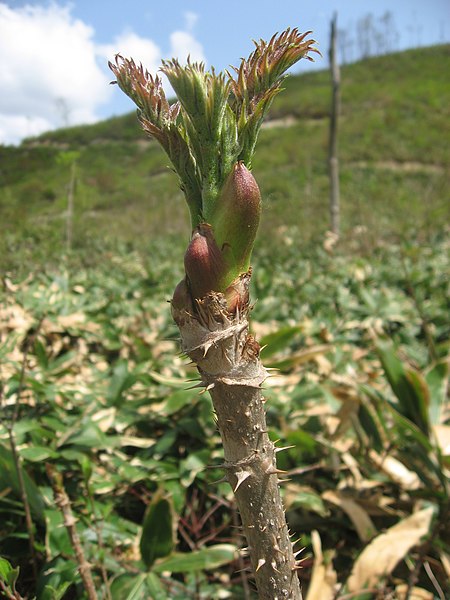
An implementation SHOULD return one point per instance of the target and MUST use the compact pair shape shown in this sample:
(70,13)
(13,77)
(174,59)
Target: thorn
(222,480)
(209,387)
(243,570)
(274,566)
(283,448)
(299,552)
(241,477)
(261,563)
(221,466)
(193,387)
(273,471)
(283,480)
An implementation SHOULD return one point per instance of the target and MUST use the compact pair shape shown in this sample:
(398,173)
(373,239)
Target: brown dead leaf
(358,516)
(445,559)
(396,471)
(383,554)
(415,593)
(78,321)
(323,578)
(442,435)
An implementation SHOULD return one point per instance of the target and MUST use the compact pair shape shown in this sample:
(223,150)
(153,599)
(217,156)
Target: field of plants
(110,478)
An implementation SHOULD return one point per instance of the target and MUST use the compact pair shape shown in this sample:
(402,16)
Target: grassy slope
(395,110)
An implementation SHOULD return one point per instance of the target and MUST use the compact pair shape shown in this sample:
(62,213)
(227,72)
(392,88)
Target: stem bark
(227,358)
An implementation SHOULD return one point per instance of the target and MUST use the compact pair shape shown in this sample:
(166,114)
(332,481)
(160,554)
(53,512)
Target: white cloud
(53,73)
(191,19)
(184,44)
(48,62)
(131,45)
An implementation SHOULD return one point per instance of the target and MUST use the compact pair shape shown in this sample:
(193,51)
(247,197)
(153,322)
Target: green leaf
(277,341)
(56,576)
(9,479)
(155,588)
(8,573)
(121,381)
(178,400)
(370,426)
(90,435)
(408,386)
(437,381)
(57,593)
(57,540)
(129,587)
(157,534)
(37,453)
(41,354)
(211,557)
(310,500)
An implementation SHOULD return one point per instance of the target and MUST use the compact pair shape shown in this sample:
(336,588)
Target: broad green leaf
(8,573)
(277,341)
(306,498)
(9,479)
(177,401)
(57,540)
(37,453)
(157,533)
(138,588)
(129,587)
(370,426)
(210,557)
(57,594)
(169,381)
(121,381)
(192,465)
(41,354)
(90,435)
(58,574)
(155,588)
(408,386)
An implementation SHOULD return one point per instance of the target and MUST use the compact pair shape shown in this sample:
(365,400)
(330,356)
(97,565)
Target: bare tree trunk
(333,155)
(227,358)
(70,203)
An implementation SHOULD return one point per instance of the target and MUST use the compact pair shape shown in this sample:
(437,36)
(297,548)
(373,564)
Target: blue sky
(54,53)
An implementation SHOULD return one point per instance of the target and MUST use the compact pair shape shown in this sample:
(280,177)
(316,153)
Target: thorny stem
(227,358)
(63,503)
(242,569)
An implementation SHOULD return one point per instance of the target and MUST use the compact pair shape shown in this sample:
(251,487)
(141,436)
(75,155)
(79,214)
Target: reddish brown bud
(204,263)
(236,216)
(181,299)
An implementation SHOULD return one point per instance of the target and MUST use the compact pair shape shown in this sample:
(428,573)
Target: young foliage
(216,120)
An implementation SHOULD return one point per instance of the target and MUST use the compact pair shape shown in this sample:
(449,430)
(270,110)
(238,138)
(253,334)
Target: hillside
(394,157)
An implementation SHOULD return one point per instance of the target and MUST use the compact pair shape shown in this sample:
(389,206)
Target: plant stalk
(63,503)
(227,358)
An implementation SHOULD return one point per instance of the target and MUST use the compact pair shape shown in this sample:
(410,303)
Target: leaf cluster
(356,391)
(217,118)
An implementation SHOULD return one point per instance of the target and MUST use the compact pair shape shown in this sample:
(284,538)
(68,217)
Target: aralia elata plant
(209,135)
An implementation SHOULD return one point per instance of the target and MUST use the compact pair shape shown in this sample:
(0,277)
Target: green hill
(394,157)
